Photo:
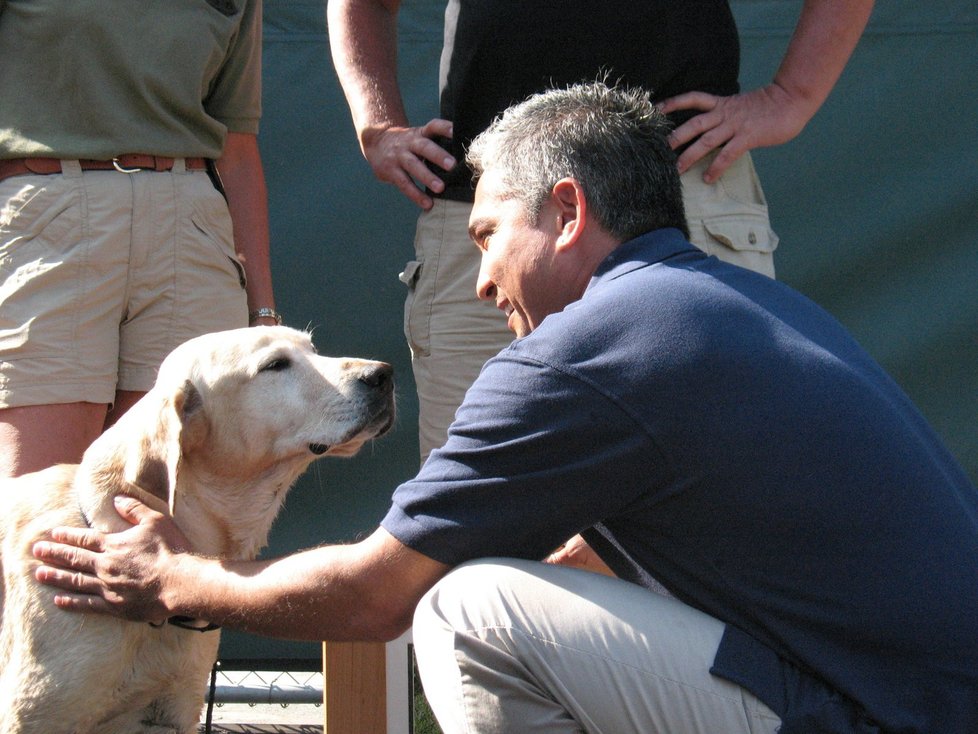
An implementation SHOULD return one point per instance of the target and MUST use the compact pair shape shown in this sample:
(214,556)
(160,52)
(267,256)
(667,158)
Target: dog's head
(245,411)
(263,396)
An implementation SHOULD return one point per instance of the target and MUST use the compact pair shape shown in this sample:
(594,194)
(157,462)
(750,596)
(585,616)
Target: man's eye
(276,365)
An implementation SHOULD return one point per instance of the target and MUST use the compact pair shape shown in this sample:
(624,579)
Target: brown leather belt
(128,163)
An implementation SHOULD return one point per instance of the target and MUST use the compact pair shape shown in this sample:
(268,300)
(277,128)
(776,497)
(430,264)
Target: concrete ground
(241,718)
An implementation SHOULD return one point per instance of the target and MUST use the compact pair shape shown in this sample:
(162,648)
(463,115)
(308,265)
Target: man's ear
(567,196)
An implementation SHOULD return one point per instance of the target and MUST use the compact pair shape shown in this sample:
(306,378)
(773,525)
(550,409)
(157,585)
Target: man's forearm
(825,37)
(301,597)
(361,591)
(363,39)
(244,183)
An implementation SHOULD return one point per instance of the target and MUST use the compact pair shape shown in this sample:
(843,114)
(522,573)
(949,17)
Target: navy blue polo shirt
(715,430)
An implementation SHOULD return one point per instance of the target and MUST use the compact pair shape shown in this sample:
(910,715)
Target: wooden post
(354,688)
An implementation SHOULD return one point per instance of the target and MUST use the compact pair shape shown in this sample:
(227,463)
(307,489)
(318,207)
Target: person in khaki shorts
(116,243)
(497,53)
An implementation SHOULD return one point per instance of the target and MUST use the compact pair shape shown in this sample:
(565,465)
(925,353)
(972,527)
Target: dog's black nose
(377,374)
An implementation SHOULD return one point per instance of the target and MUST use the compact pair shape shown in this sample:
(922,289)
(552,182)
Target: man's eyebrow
(476,225)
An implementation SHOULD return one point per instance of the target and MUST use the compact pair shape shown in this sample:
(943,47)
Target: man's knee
(468,597)
(460,660)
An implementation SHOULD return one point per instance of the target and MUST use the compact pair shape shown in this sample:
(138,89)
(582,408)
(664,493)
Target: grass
(422,719)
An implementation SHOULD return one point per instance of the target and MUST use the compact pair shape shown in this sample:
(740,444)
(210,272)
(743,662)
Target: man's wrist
(183,588)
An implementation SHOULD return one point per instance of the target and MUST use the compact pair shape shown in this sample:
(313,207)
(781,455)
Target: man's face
(518,269)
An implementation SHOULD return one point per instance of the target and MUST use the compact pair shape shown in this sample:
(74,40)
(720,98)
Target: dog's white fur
(232,421)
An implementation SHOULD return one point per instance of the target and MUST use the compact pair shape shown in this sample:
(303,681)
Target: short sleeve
(235,97)
(535,455)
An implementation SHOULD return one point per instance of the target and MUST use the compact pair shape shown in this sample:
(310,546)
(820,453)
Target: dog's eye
(276,365)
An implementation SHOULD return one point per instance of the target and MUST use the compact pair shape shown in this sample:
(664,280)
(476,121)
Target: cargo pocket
(729,219)
(212,221)
(417,316)
(741,238)
(742,232)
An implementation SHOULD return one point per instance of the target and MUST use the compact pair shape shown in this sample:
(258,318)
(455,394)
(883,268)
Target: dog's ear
(190,407)
(154,465)
(152,476)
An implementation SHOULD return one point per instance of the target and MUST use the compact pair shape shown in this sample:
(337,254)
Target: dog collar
(189,623)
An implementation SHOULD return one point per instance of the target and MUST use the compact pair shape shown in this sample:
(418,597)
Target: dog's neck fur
(204,501)
(156,471)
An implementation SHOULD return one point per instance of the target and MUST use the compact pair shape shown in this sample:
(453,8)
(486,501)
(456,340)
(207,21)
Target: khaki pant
(507,646)
(451,333)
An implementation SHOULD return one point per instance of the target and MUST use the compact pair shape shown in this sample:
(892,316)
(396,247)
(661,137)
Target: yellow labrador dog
(232,421)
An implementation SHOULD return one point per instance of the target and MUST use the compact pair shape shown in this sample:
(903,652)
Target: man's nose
(485,289)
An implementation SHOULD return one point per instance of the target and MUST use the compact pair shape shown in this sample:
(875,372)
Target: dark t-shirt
(498,52)
(715,430)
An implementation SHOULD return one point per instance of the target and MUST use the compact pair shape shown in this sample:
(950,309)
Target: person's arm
(825,37)
(363,591)
(363,39)
(244,185)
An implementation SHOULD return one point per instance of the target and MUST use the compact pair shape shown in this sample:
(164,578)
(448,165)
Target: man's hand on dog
(113,573)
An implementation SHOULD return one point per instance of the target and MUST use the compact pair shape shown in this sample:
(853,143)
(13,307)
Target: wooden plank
(354,688)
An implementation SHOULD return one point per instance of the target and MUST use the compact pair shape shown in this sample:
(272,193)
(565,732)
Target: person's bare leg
(35,437)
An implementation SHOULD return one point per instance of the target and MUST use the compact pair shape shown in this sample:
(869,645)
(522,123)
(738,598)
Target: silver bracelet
(264,313)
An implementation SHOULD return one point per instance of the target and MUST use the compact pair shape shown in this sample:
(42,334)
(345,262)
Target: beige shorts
(451,333)
(103,273)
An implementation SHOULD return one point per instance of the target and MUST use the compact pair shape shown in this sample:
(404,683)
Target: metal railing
(264,681)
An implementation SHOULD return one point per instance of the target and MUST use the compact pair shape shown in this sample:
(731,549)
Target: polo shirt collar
(647,249)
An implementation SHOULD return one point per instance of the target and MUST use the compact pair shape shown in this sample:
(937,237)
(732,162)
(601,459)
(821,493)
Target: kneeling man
(701,426)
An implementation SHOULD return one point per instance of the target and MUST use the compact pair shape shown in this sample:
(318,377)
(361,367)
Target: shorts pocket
(211,218)
(43,258)
(742,231)
(729,219)
(35,212)
(417,319)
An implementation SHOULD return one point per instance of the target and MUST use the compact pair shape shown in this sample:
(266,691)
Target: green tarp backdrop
(876,204)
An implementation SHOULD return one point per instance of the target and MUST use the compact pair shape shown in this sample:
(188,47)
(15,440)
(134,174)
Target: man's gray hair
(612,140)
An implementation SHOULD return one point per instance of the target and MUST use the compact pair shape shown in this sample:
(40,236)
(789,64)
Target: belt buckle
(118,166)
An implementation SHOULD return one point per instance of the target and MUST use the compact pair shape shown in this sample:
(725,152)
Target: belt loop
(71,168)
(179,165)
